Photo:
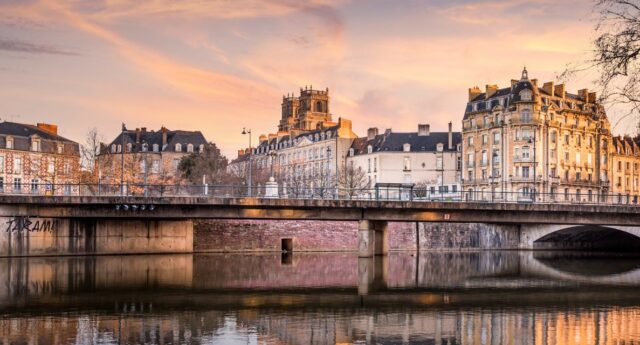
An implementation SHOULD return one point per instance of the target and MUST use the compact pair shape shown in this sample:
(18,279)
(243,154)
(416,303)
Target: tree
(616,51)
(210,163)
(352,181)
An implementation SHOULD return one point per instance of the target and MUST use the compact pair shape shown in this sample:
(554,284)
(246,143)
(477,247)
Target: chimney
(450,137)
(534,82)
(387,131)
(558,90)
(584,95)
(593,97)
(240,153)
(423,130)
(164,136)
(144,130)
(371,133)
(474,92)
(490,90)
(548,88)
(514,82)
(137,135)
(53,129)
(262,138)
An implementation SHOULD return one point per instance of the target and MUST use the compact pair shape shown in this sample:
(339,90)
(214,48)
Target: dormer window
(9,144)
(189,147)
(351,152)
(35,145)
(60,148)
(119,148)
(525,95)
(440,147)
(113,148)
(129,146)
(156,148)
(178,147)
(145,147)
(369,149)
(201,148)
(406,147)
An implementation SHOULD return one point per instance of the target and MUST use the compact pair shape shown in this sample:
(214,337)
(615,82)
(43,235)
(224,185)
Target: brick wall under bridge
(268,235)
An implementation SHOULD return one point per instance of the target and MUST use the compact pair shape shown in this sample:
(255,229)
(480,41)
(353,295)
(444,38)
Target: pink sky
(218,66)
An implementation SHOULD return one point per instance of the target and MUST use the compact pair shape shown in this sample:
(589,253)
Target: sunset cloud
(222,65)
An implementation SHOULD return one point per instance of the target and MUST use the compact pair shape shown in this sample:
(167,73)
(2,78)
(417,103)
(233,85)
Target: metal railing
(400,193)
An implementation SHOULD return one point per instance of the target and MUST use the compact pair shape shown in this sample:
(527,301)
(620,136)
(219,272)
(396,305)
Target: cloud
(32,48)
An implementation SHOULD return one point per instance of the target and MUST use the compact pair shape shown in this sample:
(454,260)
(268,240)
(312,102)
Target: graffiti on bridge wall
(20,224)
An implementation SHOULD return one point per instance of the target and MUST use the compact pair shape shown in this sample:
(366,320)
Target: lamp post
(245,132)
(124,129)
(533,192)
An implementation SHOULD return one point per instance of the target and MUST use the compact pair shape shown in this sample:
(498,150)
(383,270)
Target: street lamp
(124,129)
(245,132)
(535,129)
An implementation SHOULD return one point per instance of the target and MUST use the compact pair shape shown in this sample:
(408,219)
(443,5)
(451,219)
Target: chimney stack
(584,95)
(490,90)
(240,153)
(371,133)
(423,130)
(559,90)
(450,136)
(548,87)
(137,135)
(53,129)
(164,136)
(474,92)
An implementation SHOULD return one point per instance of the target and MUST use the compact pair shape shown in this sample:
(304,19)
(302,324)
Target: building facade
(423,162)
(148,156)
(307,153)
(526,143)
(36,160)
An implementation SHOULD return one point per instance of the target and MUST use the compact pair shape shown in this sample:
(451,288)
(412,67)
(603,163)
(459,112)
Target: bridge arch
(588,237)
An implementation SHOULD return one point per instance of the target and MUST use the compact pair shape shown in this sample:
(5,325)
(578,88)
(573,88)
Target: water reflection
(433,298)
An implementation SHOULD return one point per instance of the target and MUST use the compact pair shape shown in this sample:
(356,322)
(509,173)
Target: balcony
(520,159)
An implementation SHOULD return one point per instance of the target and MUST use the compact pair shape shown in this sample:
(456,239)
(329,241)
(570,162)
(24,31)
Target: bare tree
(616,51)
(352,181)
(88,154)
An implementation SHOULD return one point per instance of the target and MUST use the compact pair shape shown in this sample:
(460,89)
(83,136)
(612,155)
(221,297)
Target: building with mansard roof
(154,155)
(527,142)
(35,159)
(427,162)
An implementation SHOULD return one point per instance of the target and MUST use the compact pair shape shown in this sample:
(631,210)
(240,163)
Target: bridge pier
(372,238)
(372,274)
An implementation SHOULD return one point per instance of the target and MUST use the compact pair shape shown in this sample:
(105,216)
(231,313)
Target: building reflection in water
(435,298)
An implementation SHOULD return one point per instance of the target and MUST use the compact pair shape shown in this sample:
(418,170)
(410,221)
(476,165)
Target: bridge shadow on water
(587,237)
(295,298)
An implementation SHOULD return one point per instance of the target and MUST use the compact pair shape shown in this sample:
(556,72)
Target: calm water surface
(436,298)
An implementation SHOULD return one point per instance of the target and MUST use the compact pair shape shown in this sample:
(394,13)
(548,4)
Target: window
(553,136)
(178,147)
(51,167)
(496,138)
(470,141)
(155,166)
(189,147)
(175,164)
(407,163)
(143,166)
(369,149)
(485,139)
(406,147)
(17,165)
(67,189)
(60,148)
(578,140)
(470,159)
(318,106)
(553,172)
(35,145)
(113,148)
(1,164)
(129,147)
(17,185)
(439,165)
(496,157)
(67,168)
(484,158)
(525,95)
(525,172)
(145,147)
(375,164)
(156,148)
(34,185)
(1,184)
(578,176)
(566,139)
(525,152)
(368,165)
(351,152)
(525,115)
(577,157)
(9,143)
(589,159)
(439,147)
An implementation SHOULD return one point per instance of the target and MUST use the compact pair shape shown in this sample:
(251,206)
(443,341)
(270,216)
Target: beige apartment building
(526,142)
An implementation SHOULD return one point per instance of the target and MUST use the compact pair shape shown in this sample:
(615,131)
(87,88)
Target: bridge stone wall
(28,236)
(266,235)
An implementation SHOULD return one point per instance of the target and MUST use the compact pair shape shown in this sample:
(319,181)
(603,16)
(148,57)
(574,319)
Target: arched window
(319,106)
(369,149)
(201,148)
(129,147)
(119,148)
(113,148)
(178,147)
(189,147)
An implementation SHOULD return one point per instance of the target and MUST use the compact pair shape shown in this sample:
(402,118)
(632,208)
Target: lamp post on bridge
(245,132)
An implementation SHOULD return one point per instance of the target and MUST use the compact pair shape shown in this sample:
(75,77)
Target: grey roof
(278,140)
(196,138)
(394,142)
(22,134)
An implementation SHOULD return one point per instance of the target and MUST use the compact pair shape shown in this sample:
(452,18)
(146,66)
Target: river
(486,297)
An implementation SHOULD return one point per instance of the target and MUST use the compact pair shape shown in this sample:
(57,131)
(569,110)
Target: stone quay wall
(268,235)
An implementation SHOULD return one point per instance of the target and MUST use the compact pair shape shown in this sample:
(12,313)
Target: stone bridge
(138,224)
